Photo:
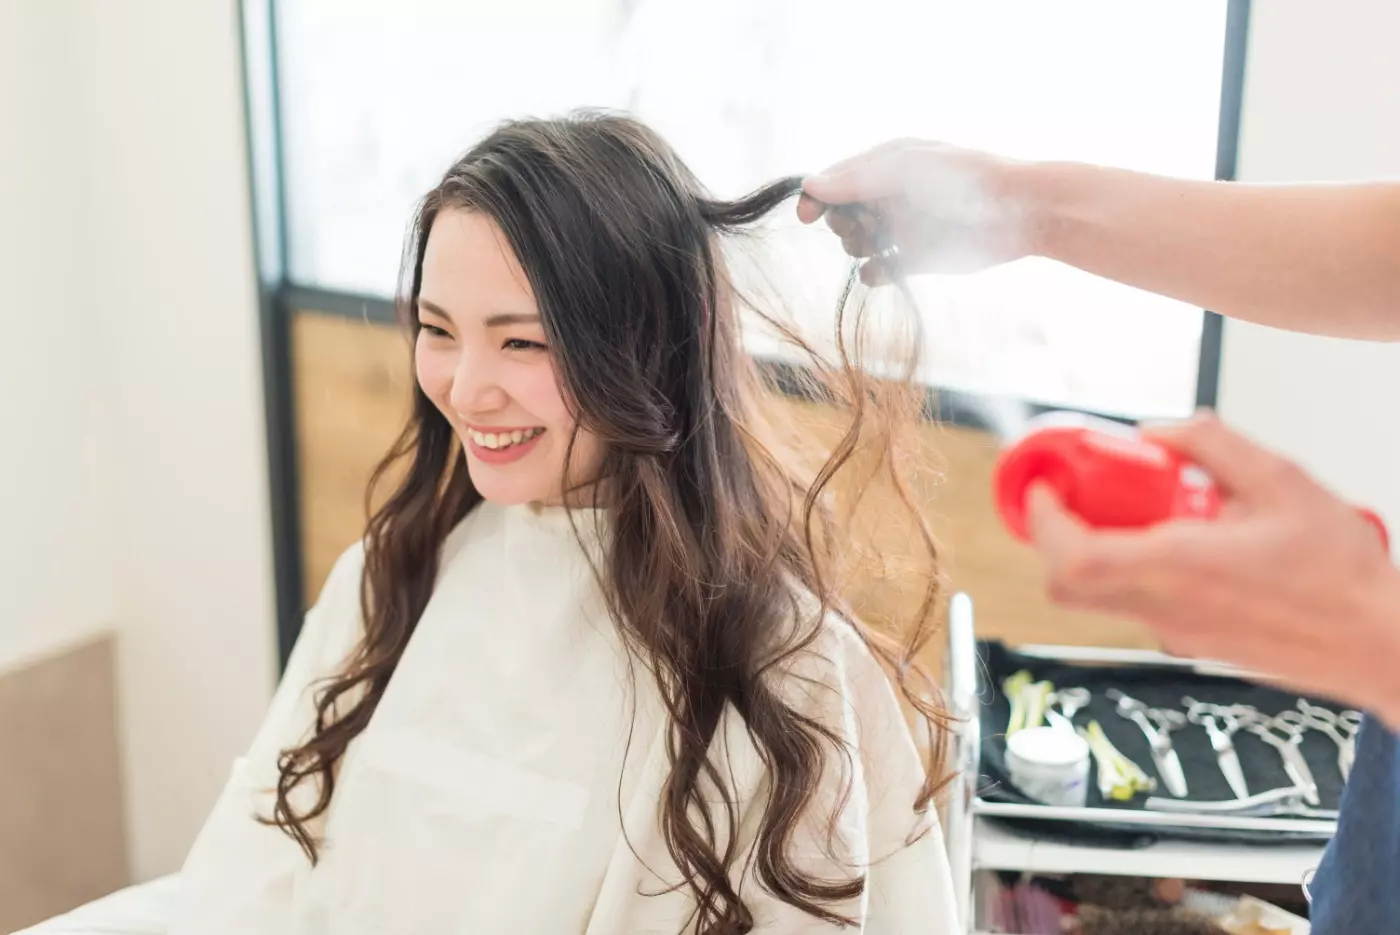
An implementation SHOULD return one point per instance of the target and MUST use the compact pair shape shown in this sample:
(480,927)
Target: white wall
(55,581)
(1321,102)
(176,314)
(133,490)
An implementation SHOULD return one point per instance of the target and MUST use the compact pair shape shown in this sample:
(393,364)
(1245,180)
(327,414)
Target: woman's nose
(475,387)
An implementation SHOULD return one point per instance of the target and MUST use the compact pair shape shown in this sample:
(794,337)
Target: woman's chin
(505,496)
(496,486)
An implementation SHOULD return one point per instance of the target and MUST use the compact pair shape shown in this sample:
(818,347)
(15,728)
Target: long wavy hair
(709,528)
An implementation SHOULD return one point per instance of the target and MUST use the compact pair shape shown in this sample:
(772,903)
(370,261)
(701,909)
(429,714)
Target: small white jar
(1049,765)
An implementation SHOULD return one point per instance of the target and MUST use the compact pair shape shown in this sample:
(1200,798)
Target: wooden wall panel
(63,835)
(352,385)
(351,382)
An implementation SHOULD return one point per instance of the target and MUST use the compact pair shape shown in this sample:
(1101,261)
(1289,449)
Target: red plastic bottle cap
(1378,524)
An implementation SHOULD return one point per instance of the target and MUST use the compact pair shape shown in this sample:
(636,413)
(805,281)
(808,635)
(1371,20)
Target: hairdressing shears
(1069,702)
(1222,740)
(1340,728)
(1157,725)
(1285,734)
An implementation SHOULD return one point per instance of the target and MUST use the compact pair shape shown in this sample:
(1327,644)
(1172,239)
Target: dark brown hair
(709,529)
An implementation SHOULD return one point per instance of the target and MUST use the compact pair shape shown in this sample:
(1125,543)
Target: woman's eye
(433,330)
(520,344)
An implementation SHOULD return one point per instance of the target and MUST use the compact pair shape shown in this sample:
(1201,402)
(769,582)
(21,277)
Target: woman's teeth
(498,440)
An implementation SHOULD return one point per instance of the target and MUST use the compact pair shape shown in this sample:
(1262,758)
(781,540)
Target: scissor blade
(1297,769)
(1229,762)
(1346,758)
(1169,768)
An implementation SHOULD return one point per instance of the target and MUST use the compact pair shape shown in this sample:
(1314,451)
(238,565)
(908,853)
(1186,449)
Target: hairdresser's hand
(948,210)
(1289,582)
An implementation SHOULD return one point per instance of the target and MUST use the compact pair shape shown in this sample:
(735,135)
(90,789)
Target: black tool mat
(1157,687)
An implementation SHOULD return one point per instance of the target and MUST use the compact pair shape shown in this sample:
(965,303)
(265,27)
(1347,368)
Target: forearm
(1323,259)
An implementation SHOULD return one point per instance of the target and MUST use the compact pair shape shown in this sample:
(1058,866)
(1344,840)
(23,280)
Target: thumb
(1245,469)
(866,177)
(1051,527)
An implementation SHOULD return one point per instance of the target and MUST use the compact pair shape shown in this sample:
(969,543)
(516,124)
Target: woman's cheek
(538,391)
(434,371)
(553,407)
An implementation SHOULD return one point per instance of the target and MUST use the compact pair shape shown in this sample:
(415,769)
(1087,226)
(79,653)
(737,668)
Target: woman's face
(481,358)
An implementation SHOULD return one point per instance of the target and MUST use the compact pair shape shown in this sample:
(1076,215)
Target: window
(377,99)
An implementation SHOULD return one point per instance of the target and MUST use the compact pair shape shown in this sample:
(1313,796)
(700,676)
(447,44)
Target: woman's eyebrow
(504,319)
(427,305)
(496,320)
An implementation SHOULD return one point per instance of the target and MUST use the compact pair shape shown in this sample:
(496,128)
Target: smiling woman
(593,668)
(489,371)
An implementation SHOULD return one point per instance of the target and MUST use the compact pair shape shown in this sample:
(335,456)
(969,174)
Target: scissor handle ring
(1166,718)
(1201,714)
(1293,722)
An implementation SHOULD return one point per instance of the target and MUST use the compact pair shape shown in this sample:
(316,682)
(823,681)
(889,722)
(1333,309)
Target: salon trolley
(985,835)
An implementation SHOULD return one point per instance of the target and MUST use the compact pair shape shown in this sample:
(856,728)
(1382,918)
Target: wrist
(1035,193)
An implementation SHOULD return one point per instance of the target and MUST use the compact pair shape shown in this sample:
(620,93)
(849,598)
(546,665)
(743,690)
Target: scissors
(1157,724)
(1349,722)
(1341,728)
(1069,701)
(1222,740)
(1285,734)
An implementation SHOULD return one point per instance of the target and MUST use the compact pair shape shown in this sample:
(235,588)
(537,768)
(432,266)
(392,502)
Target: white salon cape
(484,796)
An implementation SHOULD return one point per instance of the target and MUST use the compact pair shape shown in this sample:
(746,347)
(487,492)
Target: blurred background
(202,208)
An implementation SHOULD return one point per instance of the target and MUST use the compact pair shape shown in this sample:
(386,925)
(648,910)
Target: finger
(865,177)
(876,272)
(882,267)
(1257,654)
(1052,527)
(843,222)
(859,243)
(840,166)
(809,209)
(1104,571)
(1245,469)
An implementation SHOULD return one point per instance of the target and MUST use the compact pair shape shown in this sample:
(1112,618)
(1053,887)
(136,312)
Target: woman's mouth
(502,445)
